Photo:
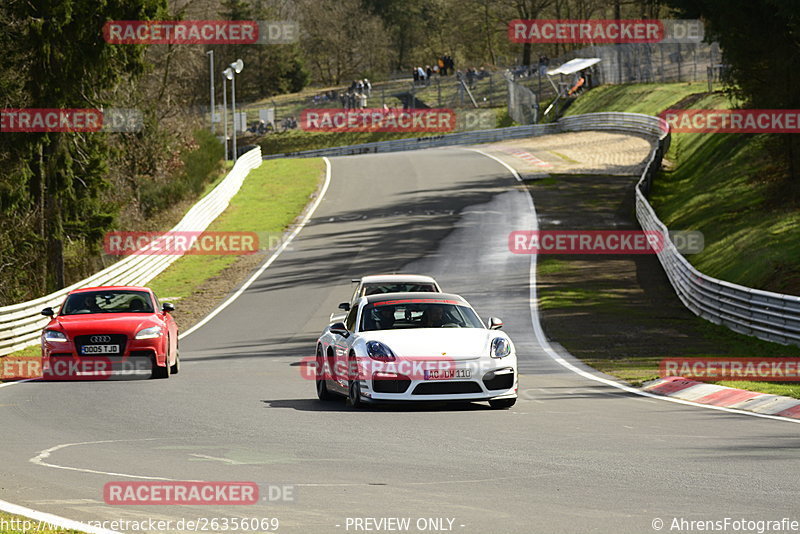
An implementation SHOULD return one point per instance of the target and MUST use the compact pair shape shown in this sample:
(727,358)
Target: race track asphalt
(573,455)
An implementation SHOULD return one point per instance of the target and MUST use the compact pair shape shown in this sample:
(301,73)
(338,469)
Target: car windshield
(418,313)
(404,287)
(113,301)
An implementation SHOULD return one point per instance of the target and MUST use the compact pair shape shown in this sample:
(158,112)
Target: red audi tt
(100,331)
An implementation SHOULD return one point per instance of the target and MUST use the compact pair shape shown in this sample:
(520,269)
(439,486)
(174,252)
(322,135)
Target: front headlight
(378,351)
(501,348)
(149,333)
(54,335)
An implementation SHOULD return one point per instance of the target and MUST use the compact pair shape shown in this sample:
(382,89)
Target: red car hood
(107,323)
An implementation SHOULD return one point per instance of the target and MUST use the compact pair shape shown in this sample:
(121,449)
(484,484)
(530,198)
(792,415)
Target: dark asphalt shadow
(316,405)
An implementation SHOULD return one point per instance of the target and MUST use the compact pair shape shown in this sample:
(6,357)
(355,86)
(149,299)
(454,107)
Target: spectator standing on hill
(367,87)
(421,75)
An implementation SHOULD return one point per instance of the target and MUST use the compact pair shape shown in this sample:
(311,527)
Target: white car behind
(416,347)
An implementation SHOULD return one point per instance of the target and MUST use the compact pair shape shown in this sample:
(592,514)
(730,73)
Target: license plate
(100,349)
(446,374)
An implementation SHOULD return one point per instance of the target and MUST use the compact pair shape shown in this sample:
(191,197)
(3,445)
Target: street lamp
(237,67)
(211,72)
(228,73)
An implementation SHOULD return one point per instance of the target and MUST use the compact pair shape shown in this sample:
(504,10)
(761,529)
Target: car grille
(114,339)
(447,388)
(391,386)
(505,381)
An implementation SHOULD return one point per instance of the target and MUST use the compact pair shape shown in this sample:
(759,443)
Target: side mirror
(48,311)
(168,307)
(339,328)
(495,323)
(344,306)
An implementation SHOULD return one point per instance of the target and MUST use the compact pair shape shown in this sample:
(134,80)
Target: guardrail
(416,143)
(763,314)
(770,316)
(21,324)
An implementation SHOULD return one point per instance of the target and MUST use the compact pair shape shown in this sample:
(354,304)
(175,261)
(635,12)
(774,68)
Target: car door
(343,345)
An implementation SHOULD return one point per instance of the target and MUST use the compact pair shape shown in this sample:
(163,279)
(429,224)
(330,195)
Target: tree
(70,66)
(760,42)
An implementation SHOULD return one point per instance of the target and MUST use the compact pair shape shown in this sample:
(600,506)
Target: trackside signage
(186,493)
(605,31)
(714,369)
(732,120)
(200,32)
(378,120)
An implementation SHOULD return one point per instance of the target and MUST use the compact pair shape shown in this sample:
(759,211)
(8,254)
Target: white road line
(51,519)
(542,339)
(39,459)
(272,258)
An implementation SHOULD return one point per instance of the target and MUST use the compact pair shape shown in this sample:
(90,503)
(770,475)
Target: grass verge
(270,199)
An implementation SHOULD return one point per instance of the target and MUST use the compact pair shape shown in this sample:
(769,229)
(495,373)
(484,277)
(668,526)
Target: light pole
(211,71)
(228,74)
(237,67)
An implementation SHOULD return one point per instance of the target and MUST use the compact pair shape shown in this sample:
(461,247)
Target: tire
(354,394)
(322,386)
(162,372)
(502,404)
(175,369)
(353,386)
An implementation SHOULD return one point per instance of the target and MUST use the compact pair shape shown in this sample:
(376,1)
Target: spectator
(544,61)
(440,64)
(415,74)
(367,87)
(421,75)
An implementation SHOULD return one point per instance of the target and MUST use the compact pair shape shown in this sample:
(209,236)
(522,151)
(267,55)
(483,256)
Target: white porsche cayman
(416,347)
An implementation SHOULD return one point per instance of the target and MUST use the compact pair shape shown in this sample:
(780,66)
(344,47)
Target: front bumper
(488,380)
(61,360)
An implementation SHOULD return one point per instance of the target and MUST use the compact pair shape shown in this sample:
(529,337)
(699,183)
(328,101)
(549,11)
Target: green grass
(270,199)
(33,526)
(634,98)
(729,187)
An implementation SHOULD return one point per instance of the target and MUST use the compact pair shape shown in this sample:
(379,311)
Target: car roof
(418,297)
(108,288)
(378,278)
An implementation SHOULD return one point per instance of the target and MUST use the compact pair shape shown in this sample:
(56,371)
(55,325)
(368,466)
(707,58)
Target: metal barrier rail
(21,324)
(770,316)
(417,143)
